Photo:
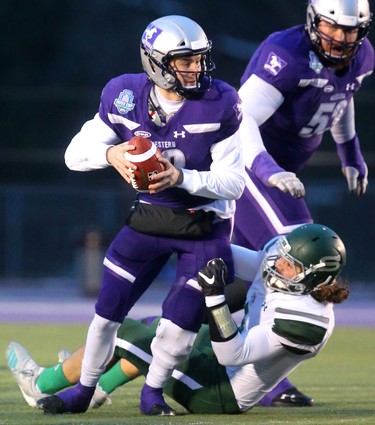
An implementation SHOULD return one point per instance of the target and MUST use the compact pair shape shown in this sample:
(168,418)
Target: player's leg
(120,373)
(100,338)
(67,372)
(199,383)
(131,264)
(38,382)
(62,375)
(183,312)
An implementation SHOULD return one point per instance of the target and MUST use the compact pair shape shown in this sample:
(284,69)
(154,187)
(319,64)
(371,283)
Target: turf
(341,380)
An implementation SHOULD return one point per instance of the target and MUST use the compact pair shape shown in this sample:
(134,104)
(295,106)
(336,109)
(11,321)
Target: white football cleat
(25,371)
(99,398)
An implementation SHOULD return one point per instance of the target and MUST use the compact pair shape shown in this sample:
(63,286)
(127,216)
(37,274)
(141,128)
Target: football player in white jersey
(288,319)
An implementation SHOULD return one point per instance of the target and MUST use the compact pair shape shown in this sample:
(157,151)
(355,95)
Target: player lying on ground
(291,306)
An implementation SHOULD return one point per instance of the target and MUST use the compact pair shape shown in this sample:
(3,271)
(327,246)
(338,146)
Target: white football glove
(287,182)
(357,184)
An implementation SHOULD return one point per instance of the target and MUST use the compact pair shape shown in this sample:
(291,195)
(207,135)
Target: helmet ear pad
(169,78)
(169,74)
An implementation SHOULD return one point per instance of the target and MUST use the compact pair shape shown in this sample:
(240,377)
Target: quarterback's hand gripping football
(357,182)
(287,182)
(212,278)
(115,157)
(172,176)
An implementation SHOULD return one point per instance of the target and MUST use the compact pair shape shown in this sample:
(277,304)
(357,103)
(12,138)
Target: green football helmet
(317,254)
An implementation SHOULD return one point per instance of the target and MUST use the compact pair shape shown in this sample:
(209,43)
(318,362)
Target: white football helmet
(170,37)
(349,14)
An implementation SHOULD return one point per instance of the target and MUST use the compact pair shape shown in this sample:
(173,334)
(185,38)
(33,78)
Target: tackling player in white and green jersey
(288,319)
(289,313)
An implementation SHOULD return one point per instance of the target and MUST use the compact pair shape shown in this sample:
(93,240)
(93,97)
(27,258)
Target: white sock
(170,346)
(100,345)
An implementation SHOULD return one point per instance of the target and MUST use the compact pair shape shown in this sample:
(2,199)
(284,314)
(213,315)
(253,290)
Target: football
(145,157)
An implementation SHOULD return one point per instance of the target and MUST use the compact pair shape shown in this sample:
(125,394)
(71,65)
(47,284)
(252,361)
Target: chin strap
(155,111)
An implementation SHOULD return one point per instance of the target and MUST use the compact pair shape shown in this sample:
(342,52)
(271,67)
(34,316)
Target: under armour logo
(179,134)
(350,87)
(264,306)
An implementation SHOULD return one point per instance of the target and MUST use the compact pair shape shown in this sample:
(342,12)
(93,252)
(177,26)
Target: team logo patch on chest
(124,102)
(274,64)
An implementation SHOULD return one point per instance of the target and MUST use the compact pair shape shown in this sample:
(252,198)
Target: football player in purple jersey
(299,83)
(194,120)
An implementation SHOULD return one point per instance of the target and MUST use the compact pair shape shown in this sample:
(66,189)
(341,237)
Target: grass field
(341,380)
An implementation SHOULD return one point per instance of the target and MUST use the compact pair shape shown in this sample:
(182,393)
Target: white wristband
(213,300)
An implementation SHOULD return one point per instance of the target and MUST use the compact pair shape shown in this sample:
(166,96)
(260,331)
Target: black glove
(212,278)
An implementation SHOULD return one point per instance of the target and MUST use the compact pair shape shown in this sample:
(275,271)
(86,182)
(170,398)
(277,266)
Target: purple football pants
(134,260)
(264,212)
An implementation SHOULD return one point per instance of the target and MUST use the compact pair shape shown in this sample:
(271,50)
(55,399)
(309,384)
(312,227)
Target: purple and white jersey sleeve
(88,148)
(260,100)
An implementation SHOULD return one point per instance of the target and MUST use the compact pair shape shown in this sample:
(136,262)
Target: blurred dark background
(56,55)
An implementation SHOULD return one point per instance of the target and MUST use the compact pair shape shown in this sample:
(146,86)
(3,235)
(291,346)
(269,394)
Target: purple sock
(77,399)
(281,387)
(151,396)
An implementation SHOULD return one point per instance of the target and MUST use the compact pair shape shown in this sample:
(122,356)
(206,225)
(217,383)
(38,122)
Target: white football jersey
(279,332)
